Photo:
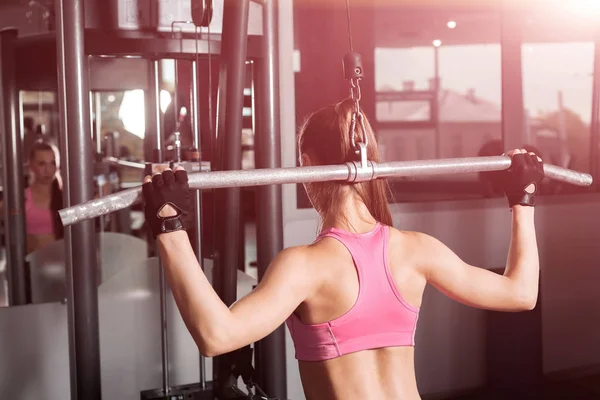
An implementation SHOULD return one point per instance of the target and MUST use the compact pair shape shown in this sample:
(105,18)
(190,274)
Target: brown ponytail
(325,138)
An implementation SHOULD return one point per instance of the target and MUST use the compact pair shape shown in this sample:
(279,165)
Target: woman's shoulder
(401,233)
(309,254)
(292,254)
(295,262)
(413,239)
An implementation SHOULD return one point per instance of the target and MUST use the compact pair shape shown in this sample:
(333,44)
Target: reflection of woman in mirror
(43,197)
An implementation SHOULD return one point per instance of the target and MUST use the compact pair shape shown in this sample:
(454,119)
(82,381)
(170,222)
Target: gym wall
(451,338)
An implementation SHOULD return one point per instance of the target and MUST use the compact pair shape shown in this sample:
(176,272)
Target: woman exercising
(351,298)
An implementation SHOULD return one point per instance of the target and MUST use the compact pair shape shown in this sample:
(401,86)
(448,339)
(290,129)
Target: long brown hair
(325,137)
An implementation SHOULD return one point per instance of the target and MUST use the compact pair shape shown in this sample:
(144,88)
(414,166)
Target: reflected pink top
(38,221)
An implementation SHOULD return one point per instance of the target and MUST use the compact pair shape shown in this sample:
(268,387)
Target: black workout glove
(167,188)
(526,169)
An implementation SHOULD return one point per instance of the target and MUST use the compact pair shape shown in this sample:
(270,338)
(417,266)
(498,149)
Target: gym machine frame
(79,54)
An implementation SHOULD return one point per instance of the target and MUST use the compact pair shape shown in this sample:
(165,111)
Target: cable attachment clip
(352,64)
(354,72)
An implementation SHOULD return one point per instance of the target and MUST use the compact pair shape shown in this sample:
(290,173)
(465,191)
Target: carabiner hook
(353,129)
(365,138)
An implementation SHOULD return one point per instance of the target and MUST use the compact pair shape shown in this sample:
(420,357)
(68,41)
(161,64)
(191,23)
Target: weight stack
(194,392)
(183,392)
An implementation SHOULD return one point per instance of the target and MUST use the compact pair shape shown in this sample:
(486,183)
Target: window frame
(513,113)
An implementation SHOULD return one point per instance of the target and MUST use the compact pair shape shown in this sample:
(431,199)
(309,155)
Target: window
(557,97)
(423,142)
(444,97)
(468,101)
(400,147)
(409,73)
(457,146)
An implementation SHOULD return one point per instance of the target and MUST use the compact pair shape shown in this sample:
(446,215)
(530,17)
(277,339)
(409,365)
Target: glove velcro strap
(171,224)
(524,199)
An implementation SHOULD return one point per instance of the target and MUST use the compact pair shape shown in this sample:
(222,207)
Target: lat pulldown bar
(350,172)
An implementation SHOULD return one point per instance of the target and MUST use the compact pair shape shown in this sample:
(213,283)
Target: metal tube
(98,121)
(234,42)
(94,98)
(149,114)
(234,46)
(278,176)
(79,155)
(5,213)
(92,107)
(64,146)
(111,148)
(14,196)
(164,342)
(197,195)
(156,79)
(158,157)
(124,163)
(195,114)
(176,96)
(270,352)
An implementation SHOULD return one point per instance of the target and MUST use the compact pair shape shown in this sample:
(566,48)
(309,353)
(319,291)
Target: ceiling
(403,23)
(400,26)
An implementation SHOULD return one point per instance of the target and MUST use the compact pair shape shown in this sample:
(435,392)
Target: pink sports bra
(379,318)
(38,221)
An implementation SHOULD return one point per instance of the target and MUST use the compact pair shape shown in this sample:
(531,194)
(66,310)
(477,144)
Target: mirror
(120,118)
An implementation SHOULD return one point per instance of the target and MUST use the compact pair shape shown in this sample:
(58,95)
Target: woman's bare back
(371,374)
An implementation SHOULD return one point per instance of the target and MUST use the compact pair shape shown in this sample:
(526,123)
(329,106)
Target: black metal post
(14,198)
(158,158)
(229,157)
(595,150)
(270,353)
(229,141)
(197,198)
(83,235)
(64,146)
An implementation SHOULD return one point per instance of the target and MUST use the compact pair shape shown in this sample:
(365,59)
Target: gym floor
(585,387)
(580,389)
